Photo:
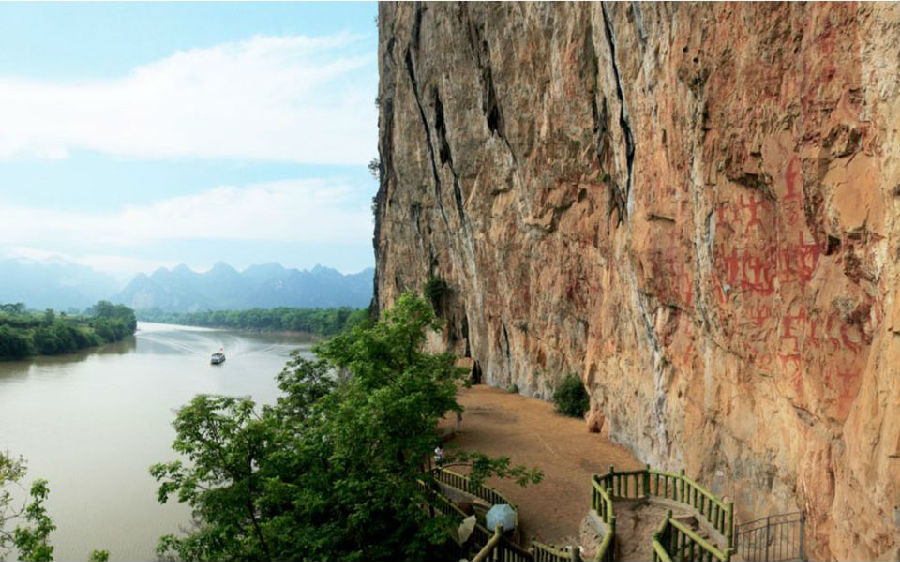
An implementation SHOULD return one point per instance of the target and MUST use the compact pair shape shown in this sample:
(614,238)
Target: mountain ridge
(63,285)
(269,285)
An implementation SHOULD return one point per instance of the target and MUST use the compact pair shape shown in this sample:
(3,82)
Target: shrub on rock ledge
(571,398)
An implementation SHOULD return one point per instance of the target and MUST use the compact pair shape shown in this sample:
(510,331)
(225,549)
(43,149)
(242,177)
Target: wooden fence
(674,541)
(602,505)
(669,485)
(464,483)
(502,549)
(673,486)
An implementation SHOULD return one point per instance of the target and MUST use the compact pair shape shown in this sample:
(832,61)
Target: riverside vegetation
(329,471)
(24,333)
(314,321)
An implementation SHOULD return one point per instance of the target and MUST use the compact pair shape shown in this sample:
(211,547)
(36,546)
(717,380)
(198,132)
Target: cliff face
(696,208)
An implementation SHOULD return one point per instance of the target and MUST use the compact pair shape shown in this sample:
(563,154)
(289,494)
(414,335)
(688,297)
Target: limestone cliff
(695,207)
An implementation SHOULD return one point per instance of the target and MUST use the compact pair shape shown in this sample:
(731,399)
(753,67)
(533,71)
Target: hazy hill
(52,284)
(260,286)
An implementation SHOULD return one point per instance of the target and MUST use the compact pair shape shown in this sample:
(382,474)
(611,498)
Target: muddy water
(92,423)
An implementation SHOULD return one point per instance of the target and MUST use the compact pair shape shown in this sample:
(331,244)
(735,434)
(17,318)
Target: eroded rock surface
(695,207)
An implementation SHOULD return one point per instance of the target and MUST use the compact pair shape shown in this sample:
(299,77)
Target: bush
(571,398)
(513,388)
(435,289)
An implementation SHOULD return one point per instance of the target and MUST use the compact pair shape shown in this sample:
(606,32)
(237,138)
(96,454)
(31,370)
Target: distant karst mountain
(260,286)
(52,284)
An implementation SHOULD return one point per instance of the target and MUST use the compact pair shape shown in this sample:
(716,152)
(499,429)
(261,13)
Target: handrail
(545,553)
(491,545)
(506,549)
(602,505)
(671,485)
(601,500)
(607,546)
(605,488)
(463,482)
(701,542)
(761,519)
(660,554)
(685,546)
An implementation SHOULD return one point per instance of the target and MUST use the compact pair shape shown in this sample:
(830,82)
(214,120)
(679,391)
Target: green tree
(329,471)
(32,539)
(571,398)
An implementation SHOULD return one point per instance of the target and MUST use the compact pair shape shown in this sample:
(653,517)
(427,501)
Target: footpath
(530,432)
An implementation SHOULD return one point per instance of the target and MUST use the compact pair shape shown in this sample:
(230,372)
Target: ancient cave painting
(765,260)
(800,331)
(794,180)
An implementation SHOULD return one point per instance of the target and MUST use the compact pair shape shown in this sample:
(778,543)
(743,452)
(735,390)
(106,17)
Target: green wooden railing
(462,482)
(674,541)
(502,550)
(489,552)
(670,485)
(546,553)
(673,486)
(602,505)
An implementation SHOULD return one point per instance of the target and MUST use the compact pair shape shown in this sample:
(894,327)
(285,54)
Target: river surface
(93,422)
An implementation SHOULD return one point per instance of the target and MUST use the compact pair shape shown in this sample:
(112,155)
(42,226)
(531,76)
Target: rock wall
(695,207)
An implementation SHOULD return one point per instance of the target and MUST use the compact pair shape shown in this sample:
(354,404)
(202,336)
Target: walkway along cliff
(696,208)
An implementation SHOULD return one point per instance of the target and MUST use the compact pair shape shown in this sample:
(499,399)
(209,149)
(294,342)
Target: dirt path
(528,431)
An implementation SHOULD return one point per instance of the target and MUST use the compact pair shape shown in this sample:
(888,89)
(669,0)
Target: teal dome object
(501,514)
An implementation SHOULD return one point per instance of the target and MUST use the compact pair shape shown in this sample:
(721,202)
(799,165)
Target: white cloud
(312,211)
(297,99)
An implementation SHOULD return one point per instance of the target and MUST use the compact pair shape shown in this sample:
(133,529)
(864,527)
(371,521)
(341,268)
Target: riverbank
(291,322)
(25,333)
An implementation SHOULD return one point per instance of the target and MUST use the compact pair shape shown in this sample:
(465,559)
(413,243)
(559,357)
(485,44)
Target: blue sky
(140,135)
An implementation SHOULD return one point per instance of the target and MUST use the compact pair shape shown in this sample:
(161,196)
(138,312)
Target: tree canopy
(329,471)
(24,333)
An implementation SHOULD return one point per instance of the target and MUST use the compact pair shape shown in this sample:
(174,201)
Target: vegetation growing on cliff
(571,398)
(316,321)
(436,288)
(24,333)
(328,472)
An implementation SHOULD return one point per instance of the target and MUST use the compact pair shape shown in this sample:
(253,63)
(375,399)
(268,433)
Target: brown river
(93,422)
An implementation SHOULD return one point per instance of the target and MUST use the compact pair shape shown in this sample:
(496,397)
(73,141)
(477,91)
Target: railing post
(646,480)
(766,544)
(669,534)
(612,539)
(729,534)
(681,495)
(576,555)
(802,525)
